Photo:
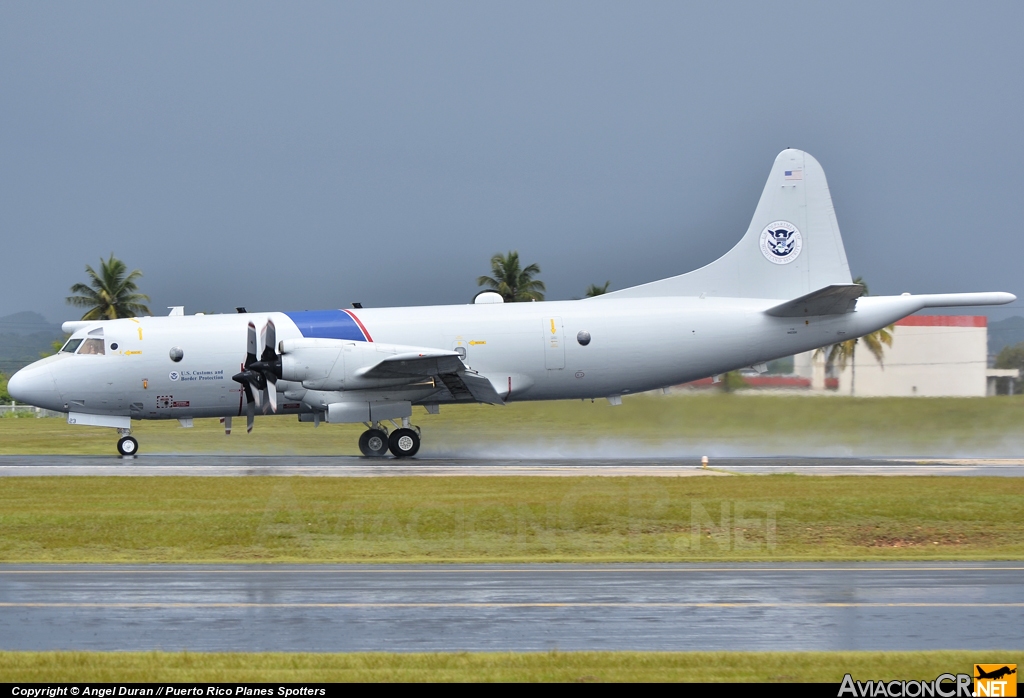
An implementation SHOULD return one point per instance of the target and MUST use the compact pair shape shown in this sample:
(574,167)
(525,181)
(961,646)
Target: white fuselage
(528,351)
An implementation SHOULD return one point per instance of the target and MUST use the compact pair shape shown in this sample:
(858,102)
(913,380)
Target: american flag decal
(794,174)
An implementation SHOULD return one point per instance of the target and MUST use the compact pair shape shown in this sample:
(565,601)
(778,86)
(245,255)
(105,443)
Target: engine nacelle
(334,364)
(314,363)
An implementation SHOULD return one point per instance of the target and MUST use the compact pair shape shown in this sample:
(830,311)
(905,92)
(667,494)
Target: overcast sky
(305,155)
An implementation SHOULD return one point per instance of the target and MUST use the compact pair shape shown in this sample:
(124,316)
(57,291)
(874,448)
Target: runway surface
(347,466)
(524,607)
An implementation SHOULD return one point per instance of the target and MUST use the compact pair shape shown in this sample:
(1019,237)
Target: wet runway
(347,466)
(330,608)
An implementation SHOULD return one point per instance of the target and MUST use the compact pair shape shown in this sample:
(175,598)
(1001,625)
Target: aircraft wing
(831,300)
(444,367)
(414,365)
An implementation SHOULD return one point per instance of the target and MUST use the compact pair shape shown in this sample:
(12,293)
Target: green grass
(756,424)
(121,667)
(509,519)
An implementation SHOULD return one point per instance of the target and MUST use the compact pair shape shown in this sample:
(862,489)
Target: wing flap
(831,300)
(481,389)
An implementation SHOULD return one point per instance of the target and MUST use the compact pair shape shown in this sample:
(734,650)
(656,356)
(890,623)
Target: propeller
(269,365)
(258,376)
(249,379)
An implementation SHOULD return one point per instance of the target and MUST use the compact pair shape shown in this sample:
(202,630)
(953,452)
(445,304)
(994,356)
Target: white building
(930,356)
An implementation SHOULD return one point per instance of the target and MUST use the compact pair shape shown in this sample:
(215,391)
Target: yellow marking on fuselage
(552,325)
(140,334)
(474,342)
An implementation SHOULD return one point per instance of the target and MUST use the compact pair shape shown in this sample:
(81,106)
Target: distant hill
(1005,333)
(23,336)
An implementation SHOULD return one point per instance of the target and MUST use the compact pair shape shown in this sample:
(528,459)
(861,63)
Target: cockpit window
(70,347)
(92,346)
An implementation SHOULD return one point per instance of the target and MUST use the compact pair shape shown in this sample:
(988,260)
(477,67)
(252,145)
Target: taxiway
(347,466)
(342,608)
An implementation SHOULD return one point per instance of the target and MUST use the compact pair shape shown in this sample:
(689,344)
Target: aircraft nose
(33,385)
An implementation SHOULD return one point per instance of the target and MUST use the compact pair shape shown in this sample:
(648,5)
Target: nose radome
(33,385)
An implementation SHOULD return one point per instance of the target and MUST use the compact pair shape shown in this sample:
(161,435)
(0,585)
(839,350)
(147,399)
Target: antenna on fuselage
(240,309)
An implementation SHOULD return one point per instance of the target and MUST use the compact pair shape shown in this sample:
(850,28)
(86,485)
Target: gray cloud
(301,156)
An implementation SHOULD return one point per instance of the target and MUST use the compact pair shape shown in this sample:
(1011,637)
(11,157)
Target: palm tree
(513,283)
(110,294)
(845,353)
(595,290)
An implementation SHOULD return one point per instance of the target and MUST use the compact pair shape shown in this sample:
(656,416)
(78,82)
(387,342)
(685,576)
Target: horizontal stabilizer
(831,300)
(954,300)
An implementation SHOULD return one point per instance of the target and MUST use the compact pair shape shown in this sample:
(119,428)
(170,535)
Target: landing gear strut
(127,445)
(374,442)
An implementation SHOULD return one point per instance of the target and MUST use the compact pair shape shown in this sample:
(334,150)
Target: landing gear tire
(127,446)
(373,443)
(404,443)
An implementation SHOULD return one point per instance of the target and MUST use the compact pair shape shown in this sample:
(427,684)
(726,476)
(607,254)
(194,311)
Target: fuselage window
(92,346)
(70,347)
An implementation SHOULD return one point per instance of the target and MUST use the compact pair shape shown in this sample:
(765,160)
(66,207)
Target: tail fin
(791,248)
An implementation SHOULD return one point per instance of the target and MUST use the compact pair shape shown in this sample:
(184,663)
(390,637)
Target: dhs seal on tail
(781,242)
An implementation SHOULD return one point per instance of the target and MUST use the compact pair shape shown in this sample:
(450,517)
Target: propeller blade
(252,346)
(226,421)
(269,342)
(250,409)
(272,395)
(269,365)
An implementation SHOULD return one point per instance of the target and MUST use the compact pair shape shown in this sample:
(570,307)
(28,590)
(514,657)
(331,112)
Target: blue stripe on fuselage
(328,324)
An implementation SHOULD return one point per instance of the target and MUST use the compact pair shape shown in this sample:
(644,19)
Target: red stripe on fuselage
(362,329)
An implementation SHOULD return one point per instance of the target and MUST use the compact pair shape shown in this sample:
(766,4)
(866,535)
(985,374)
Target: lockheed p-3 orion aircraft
(784,288)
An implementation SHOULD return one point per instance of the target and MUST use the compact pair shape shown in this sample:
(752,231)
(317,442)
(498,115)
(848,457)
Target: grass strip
(709,423)
(509,519)
(45,667)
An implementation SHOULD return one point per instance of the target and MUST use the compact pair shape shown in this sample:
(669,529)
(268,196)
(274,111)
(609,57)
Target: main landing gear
(403,442)
(127,445)
(374,442)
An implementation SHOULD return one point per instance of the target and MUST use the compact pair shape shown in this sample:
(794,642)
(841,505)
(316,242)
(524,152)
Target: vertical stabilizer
(791,248)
